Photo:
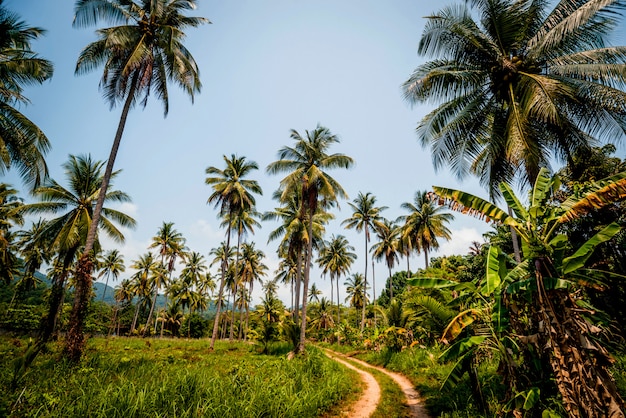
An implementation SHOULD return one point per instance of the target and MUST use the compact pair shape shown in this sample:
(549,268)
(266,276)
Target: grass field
(128,377)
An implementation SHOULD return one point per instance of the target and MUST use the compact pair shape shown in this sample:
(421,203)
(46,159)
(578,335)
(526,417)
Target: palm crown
(519,87)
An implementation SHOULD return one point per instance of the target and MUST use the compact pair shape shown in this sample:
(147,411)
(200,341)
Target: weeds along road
(370,398)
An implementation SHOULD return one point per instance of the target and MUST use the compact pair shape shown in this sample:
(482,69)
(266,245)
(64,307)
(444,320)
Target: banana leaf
(580,257)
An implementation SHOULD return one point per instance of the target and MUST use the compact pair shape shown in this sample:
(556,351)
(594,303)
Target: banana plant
(547,288)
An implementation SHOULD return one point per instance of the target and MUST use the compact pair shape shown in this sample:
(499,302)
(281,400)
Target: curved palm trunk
(154,298)
(132,327)
(75,341)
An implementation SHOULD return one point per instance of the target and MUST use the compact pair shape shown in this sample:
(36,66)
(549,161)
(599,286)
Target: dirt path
(367,403)
(363,407)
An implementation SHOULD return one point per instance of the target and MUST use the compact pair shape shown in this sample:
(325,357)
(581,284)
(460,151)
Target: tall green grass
(174,378)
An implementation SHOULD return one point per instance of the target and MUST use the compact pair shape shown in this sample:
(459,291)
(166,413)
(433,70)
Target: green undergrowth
(132,377)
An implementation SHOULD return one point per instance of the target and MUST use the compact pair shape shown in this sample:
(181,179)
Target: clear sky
(266,67)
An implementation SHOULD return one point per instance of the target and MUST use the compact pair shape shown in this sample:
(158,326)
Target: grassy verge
(125,377)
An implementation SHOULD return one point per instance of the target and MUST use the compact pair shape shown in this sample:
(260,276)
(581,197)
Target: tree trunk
(220,293)
(364,283)
(338,303)
(307,271)
(75,340)
(390,285)
(298,286)
(580,364)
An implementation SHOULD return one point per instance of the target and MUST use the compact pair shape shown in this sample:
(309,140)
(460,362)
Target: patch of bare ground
(366,405)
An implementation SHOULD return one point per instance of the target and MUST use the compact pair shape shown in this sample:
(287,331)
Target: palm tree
(139,56)
(9,216)
(122,293)
(112,264)
(251,269)
(233,194)
(294,233)
(22,143)
(34,252)
(222,255)
(365,216)
(314,293)
(425,223)
(387,248)
(336,258)
(519,87)
(140,286)
(356,291)
(67,233)
(305,164)
(171,245)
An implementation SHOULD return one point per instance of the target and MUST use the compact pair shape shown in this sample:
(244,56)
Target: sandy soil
(366,405)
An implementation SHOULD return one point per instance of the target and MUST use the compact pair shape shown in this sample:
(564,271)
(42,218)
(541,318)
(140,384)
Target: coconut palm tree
(140,284)
(251,269)
(335,259)
(424,224)
(233,194)
(314,293)
(112,264)
(294,233)
(170,245)
(67,233)
(9,217)
(365,216)
(306,164)
(222,255)
(356,292)
(34,252)
(520,86)
(22,143)
(139,57)
(386,248)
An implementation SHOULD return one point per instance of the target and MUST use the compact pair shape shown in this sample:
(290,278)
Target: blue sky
(266,67)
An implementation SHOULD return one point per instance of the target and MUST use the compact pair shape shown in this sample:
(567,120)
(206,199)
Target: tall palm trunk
(230,338)
(364,282)
(134,324)
(298,285)
(425,258)
(307,271)
(338,302)
(75,341)
(390,285)
(220,293)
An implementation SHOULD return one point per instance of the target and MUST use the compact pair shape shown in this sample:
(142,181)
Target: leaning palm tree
(139,56)
(112,264)
(233,194)
(365,216)
(22,143)
(387,248)
(336,258)
(424,224)
(306,164)
(522,85)
(67,233)
(34,252)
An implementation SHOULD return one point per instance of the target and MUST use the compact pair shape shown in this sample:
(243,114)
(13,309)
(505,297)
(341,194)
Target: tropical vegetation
(529,322)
